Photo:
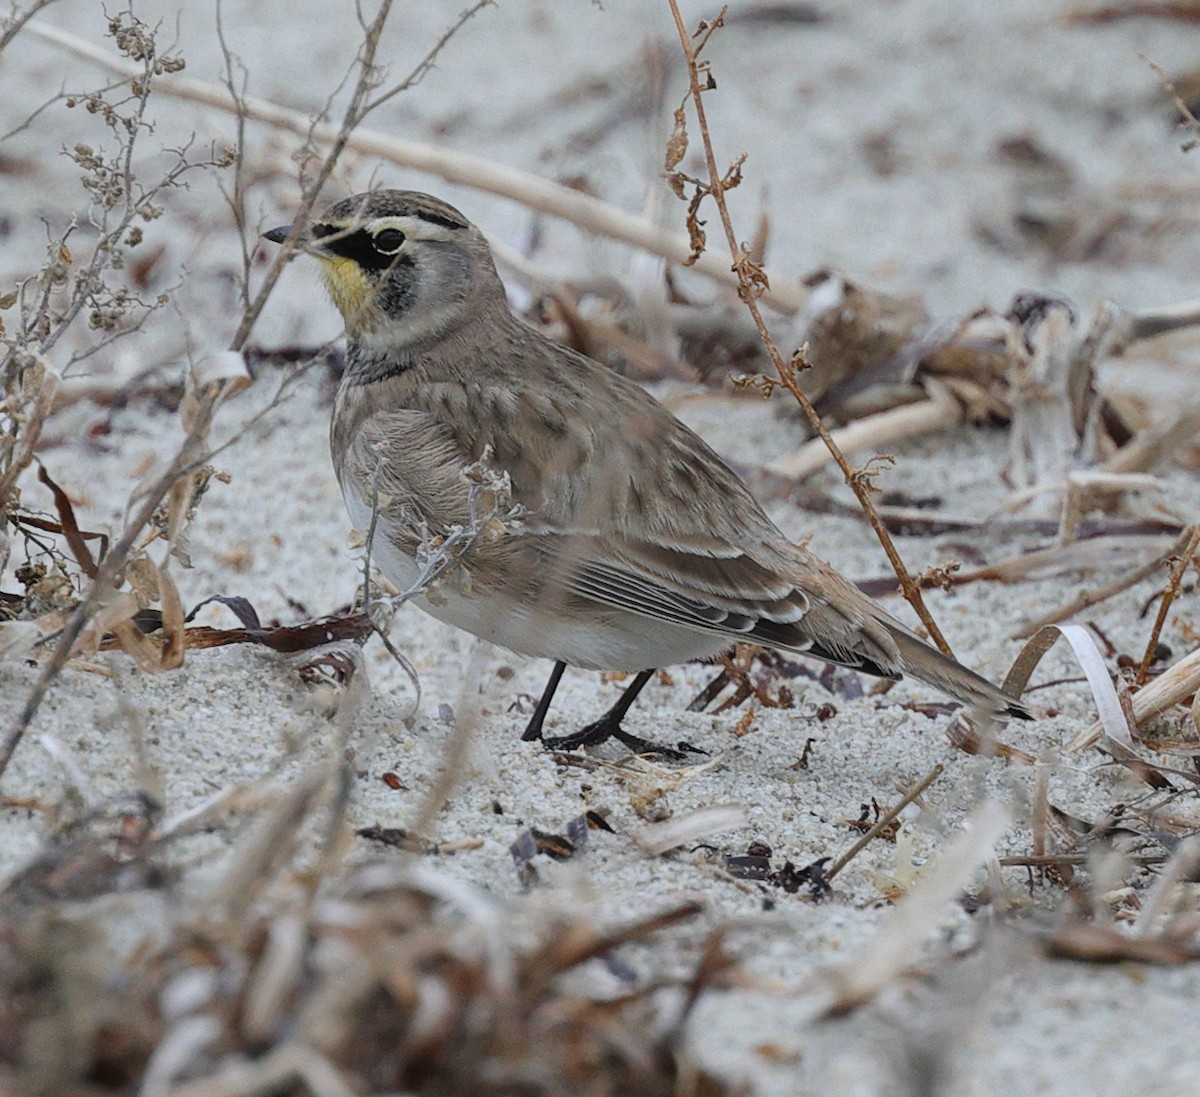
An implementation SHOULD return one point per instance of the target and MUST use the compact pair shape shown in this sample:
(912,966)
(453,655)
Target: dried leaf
(1117,728)
(173,639)
(695,226)
(677,143)
(70,528)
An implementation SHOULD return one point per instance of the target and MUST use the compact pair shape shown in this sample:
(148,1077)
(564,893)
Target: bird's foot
(600,731)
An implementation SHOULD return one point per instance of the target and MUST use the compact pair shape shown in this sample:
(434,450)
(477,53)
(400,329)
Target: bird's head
(403,268)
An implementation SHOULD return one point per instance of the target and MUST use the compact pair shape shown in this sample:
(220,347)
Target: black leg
(533,730)
(609,726)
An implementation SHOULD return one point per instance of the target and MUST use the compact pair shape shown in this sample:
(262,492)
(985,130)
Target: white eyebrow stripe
(416,228)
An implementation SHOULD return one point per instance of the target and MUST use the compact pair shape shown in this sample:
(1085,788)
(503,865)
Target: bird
(632,545)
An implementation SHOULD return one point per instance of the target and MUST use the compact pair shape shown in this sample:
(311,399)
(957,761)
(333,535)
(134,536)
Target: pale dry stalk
(1088,598)
(884,821)
(194,451)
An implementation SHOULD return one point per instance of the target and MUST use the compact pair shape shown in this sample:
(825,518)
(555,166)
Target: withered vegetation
(286,970)
(280,978)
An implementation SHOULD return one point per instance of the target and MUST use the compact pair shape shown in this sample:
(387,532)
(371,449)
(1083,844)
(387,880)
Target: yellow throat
(350,291)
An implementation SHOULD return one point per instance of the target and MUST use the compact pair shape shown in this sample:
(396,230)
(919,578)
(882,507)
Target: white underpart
(611,639)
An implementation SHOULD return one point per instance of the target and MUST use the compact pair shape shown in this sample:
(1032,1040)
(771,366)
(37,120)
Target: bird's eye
(389,241)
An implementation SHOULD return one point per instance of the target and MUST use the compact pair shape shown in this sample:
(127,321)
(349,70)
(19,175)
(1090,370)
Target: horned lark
(638,546)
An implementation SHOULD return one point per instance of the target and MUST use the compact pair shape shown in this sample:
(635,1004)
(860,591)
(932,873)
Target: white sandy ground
(943,82)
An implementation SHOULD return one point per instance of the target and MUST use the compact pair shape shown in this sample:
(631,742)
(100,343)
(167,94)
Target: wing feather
(652,522)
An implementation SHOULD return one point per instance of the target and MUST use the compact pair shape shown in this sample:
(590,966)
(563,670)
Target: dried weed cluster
(280,978)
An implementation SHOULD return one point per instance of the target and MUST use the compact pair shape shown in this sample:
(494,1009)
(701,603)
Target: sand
(872,138)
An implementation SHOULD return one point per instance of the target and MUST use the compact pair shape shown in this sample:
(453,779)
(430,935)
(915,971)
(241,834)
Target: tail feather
(940,671)
(844,626)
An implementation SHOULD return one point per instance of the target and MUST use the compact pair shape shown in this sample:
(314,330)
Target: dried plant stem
(337,138)
(1158,901)
(1187,546)
(884,821)
(1151,322)
(750,284)
(1087,598)
(1157,442)
(22,454)
(1177,684)
(580,209)
(1061,860)
(895,945)
(194,451)
(17,19)
(940,412)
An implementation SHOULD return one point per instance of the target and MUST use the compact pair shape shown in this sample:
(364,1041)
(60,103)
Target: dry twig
(147,71)
(884,821)
(873,432)
(1186,556)
(1087,598)
(752,282)
(581,209)
(1177,684)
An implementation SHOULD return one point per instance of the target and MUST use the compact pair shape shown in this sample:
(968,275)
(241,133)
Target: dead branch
(18,19)
(874,433)
(752,283)
(884,821)
(580,209)
(1087,598)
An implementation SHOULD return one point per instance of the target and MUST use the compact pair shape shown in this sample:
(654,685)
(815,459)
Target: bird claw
(602,730)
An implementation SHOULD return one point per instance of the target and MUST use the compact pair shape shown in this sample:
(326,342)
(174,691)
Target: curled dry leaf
(696,235)
(1091,661)
(677,143)
(75,538)
(1114,720)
